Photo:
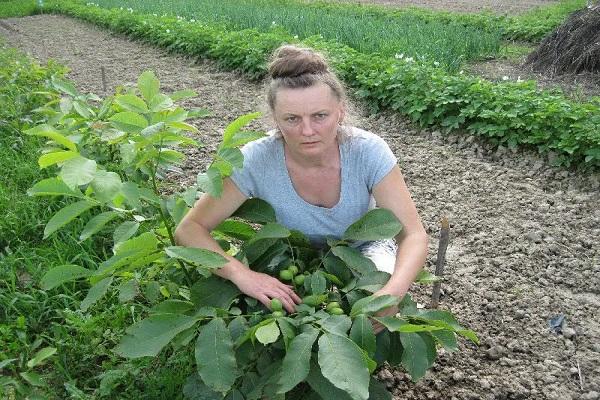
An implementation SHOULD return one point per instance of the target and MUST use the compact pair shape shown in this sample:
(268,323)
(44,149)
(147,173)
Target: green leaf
(338,324)
(447,339)
(377,224)
(53,187)
(271,231)
(200,257)
(132,103)
(243,137)
(372,304)
(64,86)
(425,276)
(215,357)
(172,306)
(195,389)
(354,259)
(362,334)
(232,156)
(125,231)
(129,122)
(95,224)
(256,210)
(106,185)
(211,182)
(267,333)
(343,364)
(52,134)
(148,85)
(33,378)
(322,386)
(61,274)
(318,283)
(128,290)
(235,229)
(66,215)
(78,171)
(55,157)
(214,292)
(296,363)
(184,127)
(182,94)
(95,293)
(160,102)
(414,356)
(373,281)
(40,356)
(147,337)
(235,127)
(83,109)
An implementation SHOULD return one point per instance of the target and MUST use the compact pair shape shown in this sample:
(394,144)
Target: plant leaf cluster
(242,349)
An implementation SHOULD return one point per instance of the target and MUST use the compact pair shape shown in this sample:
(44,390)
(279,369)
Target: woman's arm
(392,193)
(194,231)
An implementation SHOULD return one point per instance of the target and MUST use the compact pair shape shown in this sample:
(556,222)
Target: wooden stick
(103,75)
(441,259)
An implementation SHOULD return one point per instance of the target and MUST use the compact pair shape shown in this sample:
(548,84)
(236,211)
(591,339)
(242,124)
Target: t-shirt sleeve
(378,160)
(246,178)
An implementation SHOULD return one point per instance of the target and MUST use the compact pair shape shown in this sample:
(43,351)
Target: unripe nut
(293,269)
(286,275)
(278,314)
(299,279)
(336,311)
(333,304)
(276,305)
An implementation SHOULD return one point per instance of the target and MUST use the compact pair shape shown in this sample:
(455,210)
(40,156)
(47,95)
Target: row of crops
(514,114)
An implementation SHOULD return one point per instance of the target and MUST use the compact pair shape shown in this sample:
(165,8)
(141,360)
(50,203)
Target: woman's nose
(307,128)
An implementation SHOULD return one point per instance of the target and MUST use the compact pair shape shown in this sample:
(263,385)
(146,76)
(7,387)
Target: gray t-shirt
(365,160)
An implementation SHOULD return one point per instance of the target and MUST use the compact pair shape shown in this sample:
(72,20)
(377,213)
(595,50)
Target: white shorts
(382,253)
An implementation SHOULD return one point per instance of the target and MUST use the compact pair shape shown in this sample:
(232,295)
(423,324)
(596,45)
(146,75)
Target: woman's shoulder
(263,146)
(358,138)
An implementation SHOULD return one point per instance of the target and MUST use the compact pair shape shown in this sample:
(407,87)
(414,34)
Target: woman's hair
(295,67)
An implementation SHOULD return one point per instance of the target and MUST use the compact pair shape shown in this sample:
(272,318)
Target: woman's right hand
(264,287)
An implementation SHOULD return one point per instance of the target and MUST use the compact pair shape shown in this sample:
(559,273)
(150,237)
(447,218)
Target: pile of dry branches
(573,48)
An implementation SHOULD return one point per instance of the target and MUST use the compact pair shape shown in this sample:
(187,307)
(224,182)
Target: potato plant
(111,156)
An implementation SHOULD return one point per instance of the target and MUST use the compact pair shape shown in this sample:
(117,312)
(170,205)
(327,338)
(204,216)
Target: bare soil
(500,7)
(524,236)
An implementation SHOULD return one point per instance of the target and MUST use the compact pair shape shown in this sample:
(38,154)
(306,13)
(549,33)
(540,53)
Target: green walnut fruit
(278,314)
(276,305)
(286,275)
(299,279)
(314,299)
(293,269)
(336,311)
(333,304)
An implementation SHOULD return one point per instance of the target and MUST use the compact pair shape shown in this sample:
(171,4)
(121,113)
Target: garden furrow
(523,235)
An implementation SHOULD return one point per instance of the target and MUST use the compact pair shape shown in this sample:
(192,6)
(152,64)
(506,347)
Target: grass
(449,44)
(17,8)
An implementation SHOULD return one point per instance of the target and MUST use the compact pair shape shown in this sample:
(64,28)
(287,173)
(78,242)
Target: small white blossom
(273,23)
(461,72)
(168,31)
(399,56)
(409,59)
(437,64)
(295,36)
(519,79)
(192,20)
(505,78)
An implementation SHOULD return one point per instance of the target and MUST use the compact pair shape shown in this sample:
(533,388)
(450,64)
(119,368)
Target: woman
(318,175)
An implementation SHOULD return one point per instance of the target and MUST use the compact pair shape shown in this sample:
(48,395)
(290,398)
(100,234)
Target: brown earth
(502,7)
(524,236)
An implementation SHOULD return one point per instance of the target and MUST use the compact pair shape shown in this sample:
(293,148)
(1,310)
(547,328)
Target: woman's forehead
(311,99)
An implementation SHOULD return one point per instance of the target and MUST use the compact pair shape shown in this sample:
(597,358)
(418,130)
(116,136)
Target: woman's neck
(328,158)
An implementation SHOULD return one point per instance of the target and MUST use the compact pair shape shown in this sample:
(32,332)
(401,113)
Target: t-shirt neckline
(291,184)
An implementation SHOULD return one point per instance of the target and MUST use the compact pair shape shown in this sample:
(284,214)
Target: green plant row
(17,8)
(509,113)
(448,43)
(530,26)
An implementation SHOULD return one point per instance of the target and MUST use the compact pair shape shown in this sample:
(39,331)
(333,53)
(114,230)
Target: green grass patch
(17,8)
(448,43)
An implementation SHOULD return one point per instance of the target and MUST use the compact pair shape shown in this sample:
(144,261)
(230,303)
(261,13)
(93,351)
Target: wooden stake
(103,75)
(441,260)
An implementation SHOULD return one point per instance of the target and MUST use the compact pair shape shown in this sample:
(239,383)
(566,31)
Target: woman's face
(308,118)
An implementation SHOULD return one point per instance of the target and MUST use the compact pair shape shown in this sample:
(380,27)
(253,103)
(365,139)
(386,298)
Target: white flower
(399,56)
(519,79)
(295,36)
(273,23)
(461,72)
(505,78)
(437,64)
(192,20)
(409,59)
(168,31)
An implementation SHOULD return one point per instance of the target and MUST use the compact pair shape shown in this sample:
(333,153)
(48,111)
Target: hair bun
(290,61)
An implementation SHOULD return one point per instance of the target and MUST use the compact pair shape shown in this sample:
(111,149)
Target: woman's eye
(291,119)
(321,116)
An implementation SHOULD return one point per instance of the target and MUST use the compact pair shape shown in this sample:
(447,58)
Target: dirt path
(524,244)
(503,7)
